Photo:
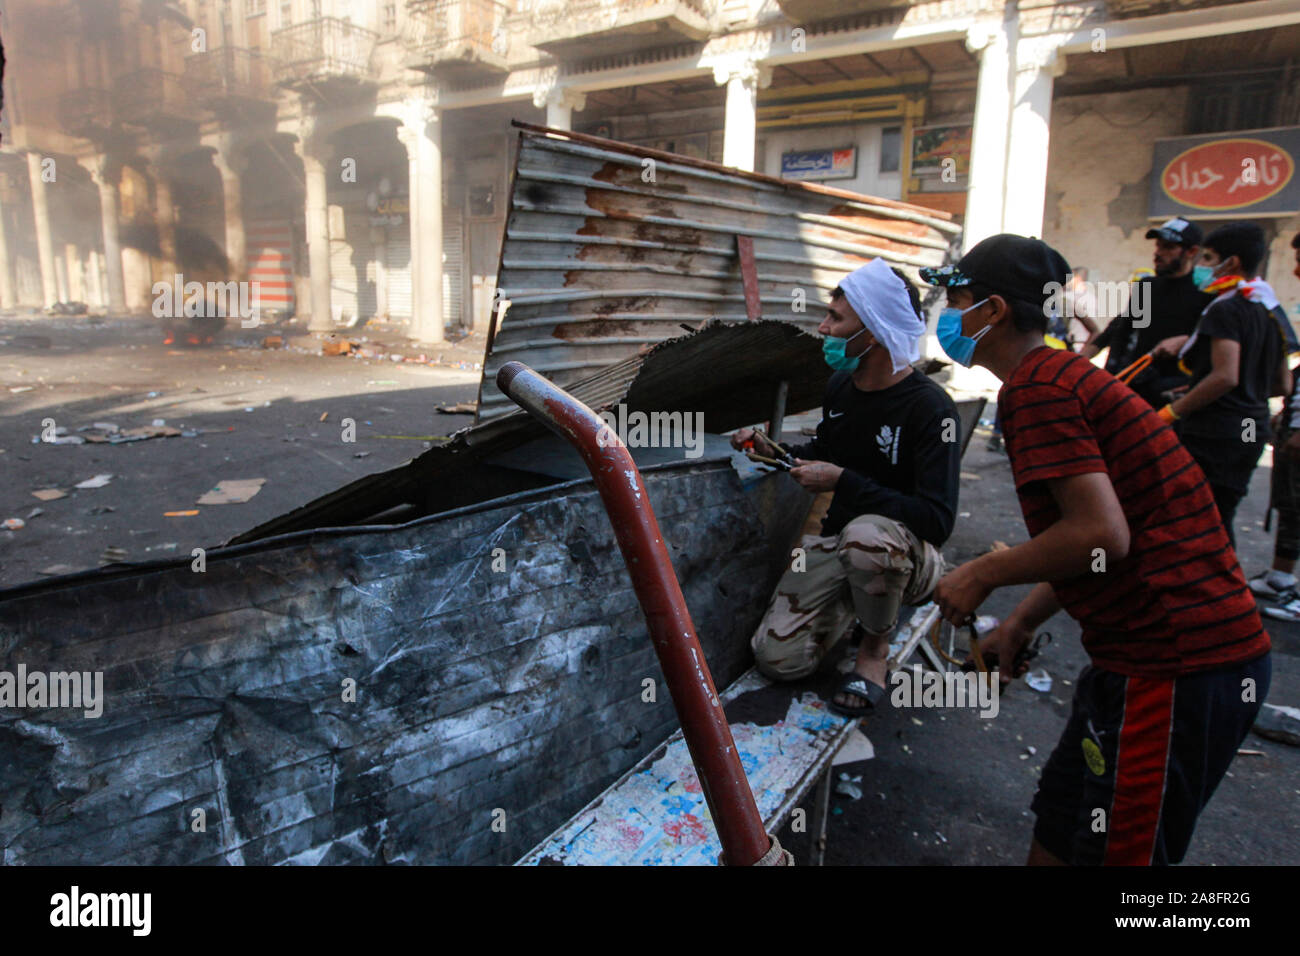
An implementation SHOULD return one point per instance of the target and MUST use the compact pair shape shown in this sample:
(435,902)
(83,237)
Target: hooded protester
(888,447)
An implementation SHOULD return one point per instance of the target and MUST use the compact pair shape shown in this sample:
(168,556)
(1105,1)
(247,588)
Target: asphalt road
(257,413)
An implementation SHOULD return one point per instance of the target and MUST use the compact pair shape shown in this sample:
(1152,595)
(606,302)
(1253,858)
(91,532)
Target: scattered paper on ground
(49,494)
(99,481)
(232,491)
(856,748)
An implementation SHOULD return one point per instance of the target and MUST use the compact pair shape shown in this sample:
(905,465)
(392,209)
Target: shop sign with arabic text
(1225,175)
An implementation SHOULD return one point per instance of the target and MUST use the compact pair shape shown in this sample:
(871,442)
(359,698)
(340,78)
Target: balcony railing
(86,112)
(570,28)
(323,49)
(151,97)
(228,74)
(457,36)
(808,11)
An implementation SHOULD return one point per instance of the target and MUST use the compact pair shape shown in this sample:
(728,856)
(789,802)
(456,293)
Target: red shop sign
(1227,174)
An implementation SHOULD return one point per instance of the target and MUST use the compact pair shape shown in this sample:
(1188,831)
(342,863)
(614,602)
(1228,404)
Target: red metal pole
(704,725)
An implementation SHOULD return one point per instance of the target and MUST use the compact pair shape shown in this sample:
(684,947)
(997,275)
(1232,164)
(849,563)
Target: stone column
(164,215)
(231,163)
(1037,65)
(310,148)
(424,147)
(105,176)
(988,163)
(44,239)
(8,285)
(560,104)
(318,242)
(743,79)
(407,136)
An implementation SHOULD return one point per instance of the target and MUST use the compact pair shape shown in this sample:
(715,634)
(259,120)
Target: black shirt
(1175,306)
(1251,325)
(900,449)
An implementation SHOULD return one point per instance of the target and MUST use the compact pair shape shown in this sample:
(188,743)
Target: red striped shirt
(1178,602)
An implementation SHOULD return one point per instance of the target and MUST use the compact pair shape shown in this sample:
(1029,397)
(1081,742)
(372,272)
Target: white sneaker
(1290,611)
(1272,584)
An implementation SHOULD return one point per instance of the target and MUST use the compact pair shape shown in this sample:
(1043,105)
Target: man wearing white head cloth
(888,446)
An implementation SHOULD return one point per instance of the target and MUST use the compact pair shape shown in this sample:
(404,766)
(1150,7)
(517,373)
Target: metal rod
(704,725)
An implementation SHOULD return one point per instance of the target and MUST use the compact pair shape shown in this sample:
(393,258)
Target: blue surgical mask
(960,348)
(834,350)
(1202,276)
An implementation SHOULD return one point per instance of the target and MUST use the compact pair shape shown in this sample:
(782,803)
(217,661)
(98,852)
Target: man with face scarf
(889,447)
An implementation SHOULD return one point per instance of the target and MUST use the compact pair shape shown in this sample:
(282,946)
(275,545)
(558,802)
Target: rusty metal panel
(610,248)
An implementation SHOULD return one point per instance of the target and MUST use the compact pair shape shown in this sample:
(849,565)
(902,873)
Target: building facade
(352,156)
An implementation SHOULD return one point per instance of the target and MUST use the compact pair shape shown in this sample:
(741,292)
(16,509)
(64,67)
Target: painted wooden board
(656,815)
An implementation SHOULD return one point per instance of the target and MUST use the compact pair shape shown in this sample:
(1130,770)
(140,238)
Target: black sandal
(855,685)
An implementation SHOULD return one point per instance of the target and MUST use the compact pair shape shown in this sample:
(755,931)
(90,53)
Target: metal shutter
(453,268)
(398,263)
(269,251)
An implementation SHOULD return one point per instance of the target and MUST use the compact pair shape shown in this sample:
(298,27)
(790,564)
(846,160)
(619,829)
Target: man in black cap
(1126,538)
(1171,305)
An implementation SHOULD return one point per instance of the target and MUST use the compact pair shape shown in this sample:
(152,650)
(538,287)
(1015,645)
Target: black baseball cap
(1014,266)
(1177,230)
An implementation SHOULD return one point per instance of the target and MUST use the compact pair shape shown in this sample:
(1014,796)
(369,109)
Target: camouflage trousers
(869,570)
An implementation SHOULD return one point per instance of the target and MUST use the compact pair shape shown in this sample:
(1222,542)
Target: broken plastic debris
(1039,680)
(99,481)
(13,524)
(232,491)
(180,514)
(848,786)
(985,623)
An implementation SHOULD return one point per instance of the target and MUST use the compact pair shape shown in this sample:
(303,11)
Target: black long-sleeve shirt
(1175,305)
(900,449)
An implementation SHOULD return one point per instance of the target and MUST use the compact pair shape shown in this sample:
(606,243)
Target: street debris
(273,342)
(99,481)
(1279,723)
(56,569)
(857,747)
(336,346)
(21,388)
(49,494)
(180,514)
(232,491)
(112,555)
(848,786)
(323,416)
(13,524)
(1039,680)
(460,408)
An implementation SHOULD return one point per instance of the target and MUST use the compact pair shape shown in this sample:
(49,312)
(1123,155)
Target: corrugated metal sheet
(610,248)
